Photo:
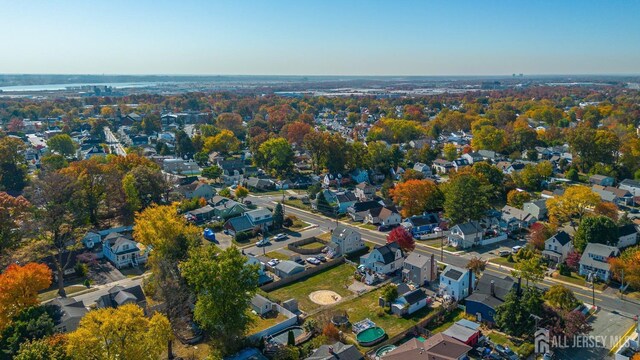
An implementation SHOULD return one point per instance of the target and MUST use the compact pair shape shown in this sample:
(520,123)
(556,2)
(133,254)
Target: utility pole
(622,284)
(593,289)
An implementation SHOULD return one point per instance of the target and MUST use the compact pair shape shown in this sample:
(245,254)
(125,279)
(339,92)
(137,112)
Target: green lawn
(449,320)
(313,246)
(450,248)
(298,204)
(325,236)
(52,294)
(261,323)
(336,279)
(277,255)
(369,226)
(433,242)
(299,224)
(502,261)
(524,349)
(577,280)
(366,306)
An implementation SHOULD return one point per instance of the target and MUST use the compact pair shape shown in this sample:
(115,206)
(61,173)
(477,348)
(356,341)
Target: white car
(263,242)
(279,237)
(273,262)
(313,261)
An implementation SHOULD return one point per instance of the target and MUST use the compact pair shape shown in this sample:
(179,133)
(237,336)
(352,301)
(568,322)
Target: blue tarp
(209,234)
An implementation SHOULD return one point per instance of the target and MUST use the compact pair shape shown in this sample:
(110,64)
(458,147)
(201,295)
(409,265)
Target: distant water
(53,87)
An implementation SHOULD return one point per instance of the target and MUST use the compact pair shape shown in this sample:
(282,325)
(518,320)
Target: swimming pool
(371,336)
(282,337)
(384,350)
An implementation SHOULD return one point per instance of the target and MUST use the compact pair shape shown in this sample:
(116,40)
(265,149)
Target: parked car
(279,237)
(321,258)
(516,248)
(313,261)
(273,262)
(506,352)
(385,227)
(293,198)
(634,211)
(504,253)
(248,202)
(263,242)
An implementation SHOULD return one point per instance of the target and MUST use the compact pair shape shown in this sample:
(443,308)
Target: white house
(383,259)
(465,235)
(627,236)
(383,216)
(124,252)
(557,247)
(422,168)
(365,191)
(345,240)
(456,282)
(514,218)
(536,208)
(410,302)
(594,260)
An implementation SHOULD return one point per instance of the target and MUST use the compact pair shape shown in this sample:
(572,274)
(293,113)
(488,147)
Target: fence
(295,246)
(292,320)
(302,275)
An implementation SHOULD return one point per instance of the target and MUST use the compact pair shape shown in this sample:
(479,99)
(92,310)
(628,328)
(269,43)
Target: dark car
(321,258)
(299,260)
(248,202)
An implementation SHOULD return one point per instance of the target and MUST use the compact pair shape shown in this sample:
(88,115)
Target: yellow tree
(572,204)
(120,333)
(19,287)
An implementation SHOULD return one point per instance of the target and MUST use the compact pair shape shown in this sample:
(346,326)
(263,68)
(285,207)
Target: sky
(320,37)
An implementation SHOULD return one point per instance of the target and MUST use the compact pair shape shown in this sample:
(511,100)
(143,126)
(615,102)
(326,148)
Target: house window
(449,282)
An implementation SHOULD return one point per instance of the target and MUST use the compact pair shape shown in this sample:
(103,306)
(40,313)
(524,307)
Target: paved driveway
(104,272)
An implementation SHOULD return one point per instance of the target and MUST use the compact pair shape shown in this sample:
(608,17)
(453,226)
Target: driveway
(104,272)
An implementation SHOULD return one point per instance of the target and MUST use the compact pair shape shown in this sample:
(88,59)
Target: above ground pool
(384,350)
(370,336)
(282,337)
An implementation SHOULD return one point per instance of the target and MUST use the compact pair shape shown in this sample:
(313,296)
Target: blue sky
(320,37)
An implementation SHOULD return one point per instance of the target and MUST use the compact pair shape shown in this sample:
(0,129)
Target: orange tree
(19,287)
(417,196)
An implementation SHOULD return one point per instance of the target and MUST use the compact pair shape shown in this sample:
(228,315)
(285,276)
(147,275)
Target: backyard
(335,279)
(261,323)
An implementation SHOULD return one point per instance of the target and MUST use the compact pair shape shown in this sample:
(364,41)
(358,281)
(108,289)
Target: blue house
(489,293)
(359,175)
(423,224)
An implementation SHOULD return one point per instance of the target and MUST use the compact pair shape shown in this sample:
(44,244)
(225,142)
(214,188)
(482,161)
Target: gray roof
(289,267)
(470,227)
(70,309)
(342,231)
(460,332)
(417,260)
(240,223)
(630,183)
(337,351)
(453,272)
(259,301)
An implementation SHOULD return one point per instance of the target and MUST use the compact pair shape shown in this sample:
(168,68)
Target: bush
(243,236)
(216,225)
(381,312)
(87,283)
(287,222)
(81,269)
(564,270)
(510,258)
(525,350)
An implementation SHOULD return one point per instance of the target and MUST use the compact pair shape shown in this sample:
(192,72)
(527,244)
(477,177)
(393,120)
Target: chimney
(434,268)
(493,288)
(331,350)
(470,282)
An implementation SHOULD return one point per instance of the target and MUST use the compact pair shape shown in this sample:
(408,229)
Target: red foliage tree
(573,260)
(402,237)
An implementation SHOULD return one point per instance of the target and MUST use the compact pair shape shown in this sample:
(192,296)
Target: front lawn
(577,280)
(524,349)
(71,289)
(313,246)
(277,255)
(368,226)
(298,224)
(297,203)
(502,261)
(366,306)
(336,279)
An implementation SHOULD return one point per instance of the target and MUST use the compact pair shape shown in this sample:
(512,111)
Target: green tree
(489,137)
(278,216)
(53,162)
(530,269)
(49,348)
(513,316)
(595,229)
(224,285)
(465,198)
(390,294)
(13,172)
(212,172)
(517,198)
(276,156)
(241,192)
(450,152)
(62,144)
(30,324)
(561,298)
(15,215)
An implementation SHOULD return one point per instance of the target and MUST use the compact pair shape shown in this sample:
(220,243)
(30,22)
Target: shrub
(216,225)
(243,236)
(81,269)
(510,258)
(564,270)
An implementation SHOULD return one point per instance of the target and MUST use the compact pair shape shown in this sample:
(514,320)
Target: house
(218,200)
(627,236)
(364,191)
(423,224)
(465,235)
(384,216)
(119,295)
(359,210)
(228,209)
(594,260)
(359,176)
(490,292)
(456,282)
(196,190)
(335,180)
(383,259)
(232,170)
(71,312)
(514,218)
(601,180)
(337,351)
(122,251)
(345,240)
(614,195)
(410,302)
(442,166)
(260,184)
(419,269)
(464,331)
(436,347)
(344,200)
(258,218)
(203,214)
(261,305)
(632,186)
(514,168)
(460,163)
(422,168)
(537,209)
(557,247)
(93,151)
(287,268)
(263,277)
(180,166)
(472,157)
(489,155)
